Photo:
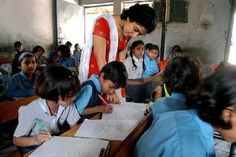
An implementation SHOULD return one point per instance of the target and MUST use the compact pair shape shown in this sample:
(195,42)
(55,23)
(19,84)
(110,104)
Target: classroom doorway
(91,13)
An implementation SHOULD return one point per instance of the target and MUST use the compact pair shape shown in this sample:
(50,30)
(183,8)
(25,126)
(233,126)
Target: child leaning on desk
(49,114)
(90,98)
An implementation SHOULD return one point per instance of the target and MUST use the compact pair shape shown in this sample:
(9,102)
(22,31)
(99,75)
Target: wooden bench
(9,108)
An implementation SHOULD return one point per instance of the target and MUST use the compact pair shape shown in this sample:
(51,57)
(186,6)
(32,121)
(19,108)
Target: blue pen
(40,125)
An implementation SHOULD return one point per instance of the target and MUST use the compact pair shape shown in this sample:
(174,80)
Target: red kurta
(102,29)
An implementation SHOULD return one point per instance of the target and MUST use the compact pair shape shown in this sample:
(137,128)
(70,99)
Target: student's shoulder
(35,105)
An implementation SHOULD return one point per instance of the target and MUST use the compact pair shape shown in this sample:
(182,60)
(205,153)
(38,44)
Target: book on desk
(122,148)
(59,146)
(114,126)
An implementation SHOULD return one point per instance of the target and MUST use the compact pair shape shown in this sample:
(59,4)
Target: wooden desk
(6,60)
(120,148)
(9,109)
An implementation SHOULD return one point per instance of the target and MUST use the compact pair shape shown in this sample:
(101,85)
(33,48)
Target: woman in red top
(110,36)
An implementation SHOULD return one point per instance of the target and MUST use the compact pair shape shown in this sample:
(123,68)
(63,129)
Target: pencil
(101,98)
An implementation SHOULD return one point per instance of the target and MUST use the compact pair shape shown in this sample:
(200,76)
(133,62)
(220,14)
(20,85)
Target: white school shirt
(134,73)
(38,109)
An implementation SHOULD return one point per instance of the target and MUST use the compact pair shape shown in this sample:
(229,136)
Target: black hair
(37,48)
(68,43)
(150,46)
(132,48)
(56,81)
(17,44)
(142,14)
(216,94)
(183,74)
(65,50)
(176,48)
(116,72)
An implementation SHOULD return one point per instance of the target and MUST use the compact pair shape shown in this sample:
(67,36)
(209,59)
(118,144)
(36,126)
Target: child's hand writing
(105,108)
(43,136)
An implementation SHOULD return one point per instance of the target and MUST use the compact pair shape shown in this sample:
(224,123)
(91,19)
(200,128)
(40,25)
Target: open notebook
(60,146)
(116,125)
(127,111)
(106,129)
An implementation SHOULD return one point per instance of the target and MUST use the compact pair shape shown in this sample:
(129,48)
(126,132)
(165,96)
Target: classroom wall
(207,42)
(30,21)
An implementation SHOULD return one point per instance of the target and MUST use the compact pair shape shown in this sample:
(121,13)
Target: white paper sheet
(106,129)
(126,111)
(60,146)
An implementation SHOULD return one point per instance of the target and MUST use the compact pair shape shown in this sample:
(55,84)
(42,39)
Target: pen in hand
(40,125)
(101,98)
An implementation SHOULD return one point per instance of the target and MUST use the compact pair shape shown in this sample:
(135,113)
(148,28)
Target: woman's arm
(99,44)
(122,55)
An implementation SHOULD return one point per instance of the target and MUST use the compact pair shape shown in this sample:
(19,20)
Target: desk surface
(9,109)
(119,148)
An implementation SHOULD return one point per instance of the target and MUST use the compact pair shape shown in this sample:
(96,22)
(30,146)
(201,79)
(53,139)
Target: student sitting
(182,76)
(38,52)
(112,76)
(22,83)
(190,132)
(64,56)
(18,48)
(51,113)
(136,89)
(151,69)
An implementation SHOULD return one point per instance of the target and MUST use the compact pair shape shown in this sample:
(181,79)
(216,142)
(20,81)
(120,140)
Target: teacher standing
(110,35)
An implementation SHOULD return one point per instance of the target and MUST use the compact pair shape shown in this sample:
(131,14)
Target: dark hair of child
(17,44)
(183,74)
(65,50)
(150,46)
(142,14)
(116,72)
(217,93)
(176,48)
(132,49)
(37,48)
(56,81)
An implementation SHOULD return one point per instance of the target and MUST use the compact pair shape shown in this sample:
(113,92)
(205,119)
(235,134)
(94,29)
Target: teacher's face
(133,29)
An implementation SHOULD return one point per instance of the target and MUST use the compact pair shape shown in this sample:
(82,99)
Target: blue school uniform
(177,134)
(67,62)
(151,67)
(172,103)
(88,95)
(19,86)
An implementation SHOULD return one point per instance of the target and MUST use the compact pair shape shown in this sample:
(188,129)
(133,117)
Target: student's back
(177,134)
(190,132)
(182,76)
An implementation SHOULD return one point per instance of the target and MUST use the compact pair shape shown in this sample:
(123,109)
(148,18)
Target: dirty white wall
(208,42)
(30,21)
